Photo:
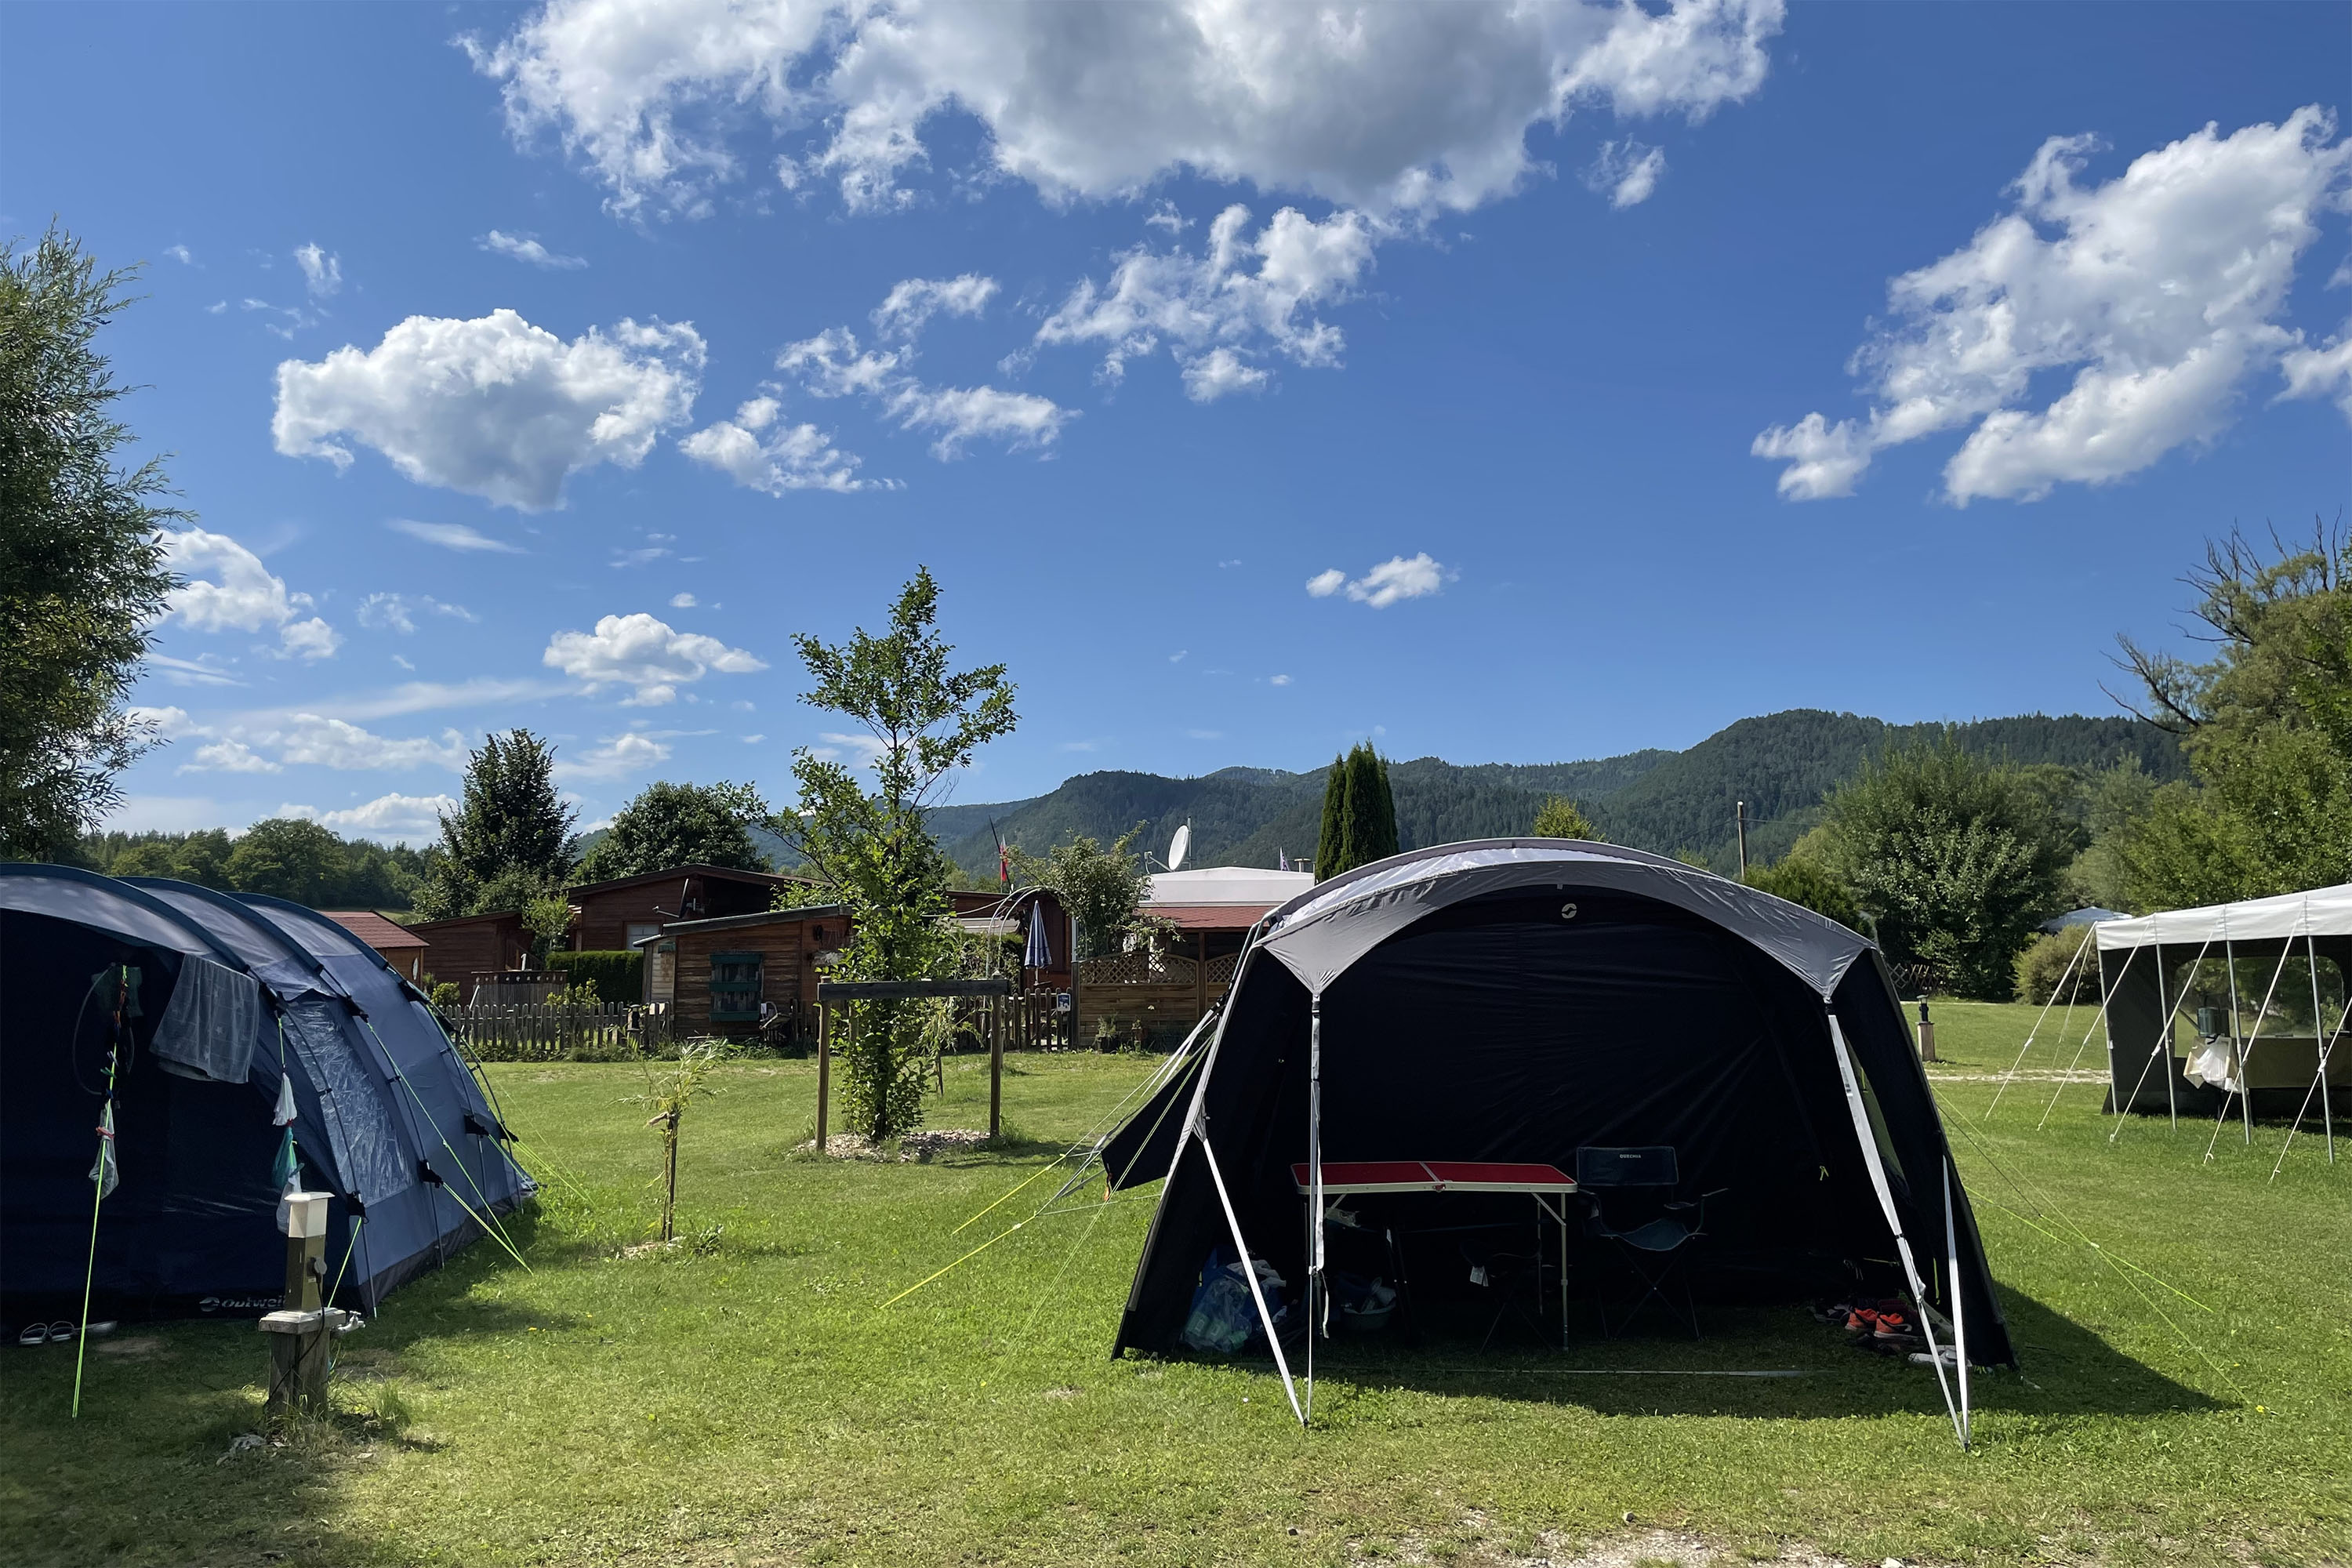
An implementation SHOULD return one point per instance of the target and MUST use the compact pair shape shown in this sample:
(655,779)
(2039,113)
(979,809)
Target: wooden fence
(550,1031)
(1149,989)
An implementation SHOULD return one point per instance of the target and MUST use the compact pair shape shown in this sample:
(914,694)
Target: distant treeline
(284,857)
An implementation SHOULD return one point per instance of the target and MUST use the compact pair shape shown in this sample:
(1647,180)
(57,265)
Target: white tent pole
(2164,1040)
(2040,1018)
(2245,1102)
(2101,1022)
(1877,1169)
(1249,1269)
(2243,1055)
(2327,1107)
(2327,1050)
(1316,1304)
(1959,1320)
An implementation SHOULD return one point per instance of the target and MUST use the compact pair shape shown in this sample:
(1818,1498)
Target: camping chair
(1644,1180)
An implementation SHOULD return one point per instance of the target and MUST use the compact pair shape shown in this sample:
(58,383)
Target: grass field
(756,1402)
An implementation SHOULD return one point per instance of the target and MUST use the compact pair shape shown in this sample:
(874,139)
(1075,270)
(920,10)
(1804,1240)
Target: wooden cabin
(624,912)
(469,949)
(401,948)
(720,972)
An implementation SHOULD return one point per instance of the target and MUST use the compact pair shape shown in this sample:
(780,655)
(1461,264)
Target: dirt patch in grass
(914,1149)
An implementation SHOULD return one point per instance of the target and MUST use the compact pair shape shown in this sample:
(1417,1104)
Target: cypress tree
(1331,843)
(1376,828)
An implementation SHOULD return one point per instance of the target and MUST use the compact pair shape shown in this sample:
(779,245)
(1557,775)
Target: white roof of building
(1227,885)
(2322,911)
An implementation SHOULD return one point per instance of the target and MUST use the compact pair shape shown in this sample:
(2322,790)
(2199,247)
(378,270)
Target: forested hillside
(1781,764)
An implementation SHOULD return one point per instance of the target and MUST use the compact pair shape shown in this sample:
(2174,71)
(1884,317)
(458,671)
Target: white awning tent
(1227,885)
(2322,911)
(2157,970)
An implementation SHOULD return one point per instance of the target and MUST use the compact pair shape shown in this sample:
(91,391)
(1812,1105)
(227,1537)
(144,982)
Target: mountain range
(1781,764)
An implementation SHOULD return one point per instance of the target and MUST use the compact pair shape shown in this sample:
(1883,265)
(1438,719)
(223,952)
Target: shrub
(444,992)
(2043,964)
(1807,882)
(618,977)
(1559,818)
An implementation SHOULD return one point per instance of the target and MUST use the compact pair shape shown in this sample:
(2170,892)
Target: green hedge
(618,977)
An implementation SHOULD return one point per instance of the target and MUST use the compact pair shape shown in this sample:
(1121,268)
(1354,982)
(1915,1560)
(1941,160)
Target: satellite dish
(1179,845)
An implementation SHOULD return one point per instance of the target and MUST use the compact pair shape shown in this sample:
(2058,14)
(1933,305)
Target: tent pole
(1877,1168)
(1959,1320)
(1249,1269)
(2326,1107)
(2261,1013)
(2164,1040)
(2245,1099)
(1316,1304)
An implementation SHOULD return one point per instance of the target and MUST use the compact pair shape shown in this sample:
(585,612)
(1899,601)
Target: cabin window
(734,986)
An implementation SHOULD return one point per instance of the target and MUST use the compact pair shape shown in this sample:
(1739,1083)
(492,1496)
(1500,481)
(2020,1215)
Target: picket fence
(551,1031)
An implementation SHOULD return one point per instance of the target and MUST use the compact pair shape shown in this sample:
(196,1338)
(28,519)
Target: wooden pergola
(829,992)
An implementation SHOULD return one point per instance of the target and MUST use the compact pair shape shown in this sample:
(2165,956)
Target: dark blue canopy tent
(210,1004)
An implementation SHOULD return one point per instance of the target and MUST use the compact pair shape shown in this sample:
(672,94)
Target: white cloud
(218,306)
(167,813)
(229,757)
(760,452)
(862,750)
(309,640)
(1219,372)
(681,601)
(165,723)
(1398,577)
(644,655)
(322,273)
(398,613)
(452,536)
(1240,297)
(240,596)
(2160,290)
(307,739)
(1394,107)
(199,672)
(1178,656)
(1278,680)
(615,756)
(395,818)
(493,406)
(522,247)
(1627,172)
(750,740)
(333,743)
(2316,372)
(830,364)
(426,695)
(180,253)
(915,301)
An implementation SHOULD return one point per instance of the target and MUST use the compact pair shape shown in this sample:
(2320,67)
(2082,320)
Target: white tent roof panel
(1227,885)
(2322,911)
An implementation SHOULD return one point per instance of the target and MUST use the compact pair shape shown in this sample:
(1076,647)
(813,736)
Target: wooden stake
(996,1070)
(823,1067)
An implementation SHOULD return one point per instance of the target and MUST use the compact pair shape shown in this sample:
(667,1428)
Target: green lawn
(759,1402)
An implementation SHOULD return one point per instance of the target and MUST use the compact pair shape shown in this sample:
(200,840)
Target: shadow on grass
(173,1459)
(2065,1369)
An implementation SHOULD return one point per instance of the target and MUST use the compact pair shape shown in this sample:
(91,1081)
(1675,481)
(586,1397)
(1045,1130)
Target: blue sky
(550,366)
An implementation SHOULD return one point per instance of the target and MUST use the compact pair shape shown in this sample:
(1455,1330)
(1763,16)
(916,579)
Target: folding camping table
(1547,1185)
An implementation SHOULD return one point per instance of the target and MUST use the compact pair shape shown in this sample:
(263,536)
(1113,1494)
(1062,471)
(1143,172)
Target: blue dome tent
(213,1006)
